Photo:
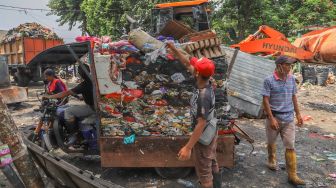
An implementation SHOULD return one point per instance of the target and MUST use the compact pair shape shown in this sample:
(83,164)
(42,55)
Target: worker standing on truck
(202,112)
(72,113)
(280,103)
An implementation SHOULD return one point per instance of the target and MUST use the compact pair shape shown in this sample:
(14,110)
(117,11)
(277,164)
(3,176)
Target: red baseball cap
(204,66)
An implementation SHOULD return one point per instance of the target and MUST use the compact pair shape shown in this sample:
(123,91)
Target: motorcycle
(51,132)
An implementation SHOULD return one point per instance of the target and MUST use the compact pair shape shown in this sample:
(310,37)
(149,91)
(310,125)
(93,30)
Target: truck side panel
(22,50)
(14,51)
(34,46)
(152,151)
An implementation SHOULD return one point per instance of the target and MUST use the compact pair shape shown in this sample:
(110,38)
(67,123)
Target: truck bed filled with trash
(144,90)
(31,30)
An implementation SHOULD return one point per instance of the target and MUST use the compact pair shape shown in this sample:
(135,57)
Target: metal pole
(10,135)
(12,177)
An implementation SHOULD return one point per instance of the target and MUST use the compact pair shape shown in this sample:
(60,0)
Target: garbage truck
(22,44)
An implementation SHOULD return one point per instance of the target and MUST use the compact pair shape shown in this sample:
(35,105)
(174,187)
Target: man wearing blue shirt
(280,103)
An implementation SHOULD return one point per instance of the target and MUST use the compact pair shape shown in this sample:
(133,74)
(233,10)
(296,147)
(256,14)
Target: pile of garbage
(32,30)
(155,87)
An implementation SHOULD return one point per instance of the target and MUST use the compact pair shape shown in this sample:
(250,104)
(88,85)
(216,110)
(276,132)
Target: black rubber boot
(217,179)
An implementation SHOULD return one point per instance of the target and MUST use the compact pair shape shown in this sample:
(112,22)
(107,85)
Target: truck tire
(21,79)
(173,172)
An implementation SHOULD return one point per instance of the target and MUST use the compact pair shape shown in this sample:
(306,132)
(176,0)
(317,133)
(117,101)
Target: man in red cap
(203,141)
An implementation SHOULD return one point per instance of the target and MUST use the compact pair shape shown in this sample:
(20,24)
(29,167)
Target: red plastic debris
(127,95)
(307,118)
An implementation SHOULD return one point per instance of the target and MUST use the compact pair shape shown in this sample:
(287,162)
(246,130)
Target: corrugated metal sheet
(246,81)
(4,74)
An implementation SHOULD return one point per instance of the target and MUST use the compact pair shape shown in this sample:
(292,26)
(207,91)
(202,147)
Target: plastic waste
(185,183)
(177,77)
(32,30)
(129,139)
(4,149)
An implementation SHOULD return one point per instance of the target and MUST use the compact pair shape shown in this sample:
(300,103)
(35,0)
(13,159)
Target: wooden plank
(211,53)
(154,151)
(206,53)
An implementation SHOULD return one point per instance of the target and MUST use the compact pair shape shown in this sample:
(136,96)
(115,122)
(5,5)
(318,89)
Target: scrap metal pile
(155,87)
(32,30)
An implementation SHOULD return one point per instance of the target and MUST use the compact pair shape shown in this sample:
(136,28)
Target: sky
(10,18)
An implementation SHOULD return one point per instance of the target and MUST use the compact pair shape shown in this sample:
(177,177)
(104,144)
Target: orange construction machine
(267,41)
(188,22)
(317,47)
(322,43)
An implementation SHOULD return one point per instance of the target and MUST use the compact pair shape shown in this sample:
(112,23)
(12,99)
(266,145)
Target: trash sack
(163,38)
(106,39)
(144,41)
(122,46)
(177,78)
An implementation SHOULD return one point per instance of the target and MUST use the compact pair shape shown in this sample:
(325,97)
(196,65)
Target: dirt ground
(312,146)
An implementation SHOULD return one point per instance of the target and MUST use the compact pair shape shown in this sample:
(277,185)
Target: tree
(69,12)
(237,15)
(244,17)
(314,13)
(108,17)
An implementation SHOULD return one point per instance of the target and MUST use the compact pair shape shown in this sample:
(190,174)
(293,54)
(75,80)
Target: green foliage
(232,19)
(108,17)
(69,12)
(287,16)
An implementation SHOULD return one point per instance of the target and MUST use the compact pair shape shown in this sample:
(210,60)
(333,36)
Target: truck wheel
(173,172)
(22,79)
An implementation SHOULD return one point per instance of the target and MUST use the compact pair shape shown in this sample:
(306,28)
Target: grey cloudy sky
(11,18)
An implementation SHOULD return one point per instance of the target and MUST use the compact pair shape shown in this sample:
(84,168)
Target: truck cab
(194,14)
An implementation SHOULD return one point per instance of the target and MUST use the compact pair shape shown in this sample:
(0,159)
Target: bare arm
(296,106)
(297,111)
(267,107)
(201,122)
(60,95)
(185,153)
(184,59)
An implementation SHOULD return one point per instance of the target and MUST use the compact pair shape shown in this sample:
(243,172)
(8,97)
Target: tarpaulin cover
(321,43)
